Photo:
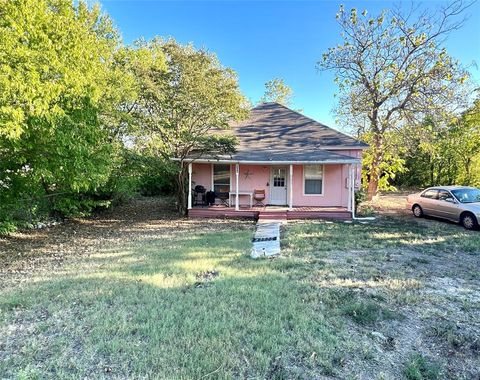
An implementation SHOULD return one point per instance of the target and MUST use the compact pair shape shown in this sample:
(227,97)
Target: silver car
(460,204)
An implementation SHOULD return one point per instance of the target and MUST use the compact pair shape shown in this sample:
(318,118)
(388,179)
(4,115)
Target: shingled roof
(275,133)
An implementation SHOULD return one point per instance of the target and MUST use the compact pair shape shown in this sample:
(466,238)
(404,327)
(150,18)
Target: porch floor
(266,212)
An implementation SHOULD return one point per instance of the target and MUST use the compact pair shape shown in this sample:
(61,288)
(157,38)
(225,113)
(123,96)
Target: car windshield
(467,195)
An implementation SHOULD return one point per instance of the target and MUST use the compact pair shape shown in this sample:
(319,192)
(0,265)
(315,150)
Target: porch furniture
(224,197)
(245,193)
(259,197)
(199,196)
(210,198)
(307,167)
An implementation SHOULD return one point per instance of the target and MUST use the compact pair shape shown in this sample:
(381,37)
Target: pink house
(304,168)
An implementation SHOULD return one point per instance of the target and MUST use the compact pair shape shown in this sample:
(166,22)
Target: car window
(431,194)
(444,195)
(467,195)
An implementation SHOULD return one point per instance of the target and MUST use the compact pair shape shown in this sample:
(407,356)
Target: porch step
(337,215)
(273,212)
(272,215)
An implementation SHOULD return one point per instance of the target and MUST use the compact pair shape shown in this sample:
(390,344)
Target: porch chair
(259,197)
(224,197)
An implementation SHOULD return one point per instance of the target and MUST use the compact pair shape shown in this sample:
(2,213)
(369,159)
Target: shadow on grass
(147,310)
(253,326)
(386,233)
(143,307)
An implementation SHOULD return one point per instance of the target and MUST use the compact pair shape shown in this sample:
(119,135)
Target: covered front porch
(270,212)
(291,190)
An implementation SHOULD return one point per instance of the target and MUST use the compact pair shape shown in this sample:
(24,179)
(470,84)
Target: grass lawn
(139,293)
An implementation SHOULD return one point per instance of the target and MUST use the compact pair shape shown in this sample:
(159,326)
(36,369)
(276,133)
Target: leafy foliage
(143,173)
(85,120)
(56,70)
(277,91)
(443,153)
(184,105)
(392,72)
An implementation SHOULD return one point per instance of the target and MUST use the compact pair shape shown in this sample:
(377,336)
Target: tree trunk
(375,168)
(181,191)
(468,176)
(372,187)
(432,172)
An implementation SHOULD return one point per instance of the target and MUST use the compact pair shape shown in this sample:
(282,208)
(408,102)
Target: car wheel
(417,211)
(469,221)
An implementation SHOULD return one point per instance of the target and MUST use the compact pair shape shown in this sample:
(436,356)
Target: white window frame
(212,171)
(323,181)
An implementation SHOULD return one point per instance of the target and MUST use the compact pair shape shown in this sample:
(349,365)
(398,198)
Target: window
(279,177)
(221,178)
(313,179)
(467,195)
(443,195)
(430,194)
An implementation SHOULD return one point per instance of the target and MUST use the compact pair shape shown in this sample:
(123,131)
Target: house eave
(276,162)
(346,147)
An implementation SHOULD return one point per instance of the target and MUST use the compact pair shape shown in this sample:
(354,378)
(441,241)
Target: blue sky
(261,40)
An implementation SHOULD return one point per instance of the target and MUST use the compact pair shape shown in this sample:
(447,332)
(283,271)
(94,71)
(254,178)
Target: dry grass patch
(139,293)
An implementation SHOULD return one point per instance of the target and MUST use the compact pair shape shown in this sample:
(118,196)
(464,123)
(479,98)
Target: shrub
(77,205)
(360,196)
(420,368)
(366,312)
(137,173)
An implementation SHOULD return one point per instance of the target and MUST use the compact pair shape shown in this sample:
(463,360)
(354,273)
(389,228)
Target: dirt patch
(28,254)
(409,287)
(208,275)
(425,272)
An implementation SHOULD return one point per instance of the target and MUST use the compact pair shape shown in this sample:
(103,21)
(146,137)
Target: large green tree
(186,97)
(443,153)
(392,71)
(468,131)
(56,75)
(277,91)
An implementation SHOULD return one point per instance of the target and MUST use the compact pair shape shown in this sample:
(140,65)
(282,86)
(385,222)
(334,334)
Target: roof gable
(275,133)
(274,126)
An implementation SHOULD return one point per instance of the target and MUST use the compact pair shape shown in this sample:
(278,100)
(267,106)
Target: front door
(278,186)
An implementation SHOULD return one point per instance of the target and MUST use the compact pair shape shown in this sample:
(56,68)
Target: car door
(447,206)
(428,202)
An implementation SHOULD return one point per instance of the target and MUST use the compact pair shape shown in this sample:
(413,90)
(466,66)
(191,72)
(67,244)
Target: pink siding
(202,175)
(357,153)
(334,191)
(252,177)
(258,176)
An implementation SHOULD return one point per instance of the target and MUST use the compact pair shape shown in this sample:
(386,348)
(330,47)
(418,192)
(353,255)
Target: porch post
(349,188)
(237,169)
(189,185)
(290,185)
(353,190)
